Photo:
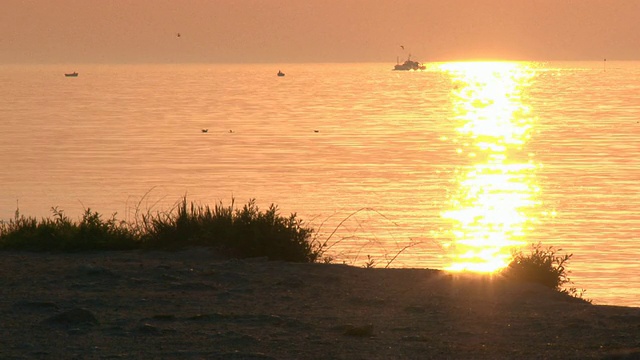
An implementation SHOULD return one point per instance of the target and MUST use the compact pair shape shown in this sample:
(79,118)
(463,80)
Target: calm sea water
(413,169)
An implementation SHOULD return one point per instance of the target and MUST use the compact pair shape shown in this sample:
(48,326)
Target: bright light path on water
(491,209)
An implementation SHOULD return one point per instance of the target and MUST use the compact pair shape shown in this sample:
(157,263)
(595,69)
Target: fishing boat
(280,73)
(73,74)
(408,65)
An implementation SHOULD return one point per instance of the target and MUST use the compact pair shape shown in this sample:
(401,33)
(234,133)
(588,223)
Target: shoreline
(194,305)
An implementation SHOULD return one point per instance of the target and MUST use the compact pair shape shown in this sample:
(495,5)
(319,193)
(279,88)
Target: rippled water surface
(416,167)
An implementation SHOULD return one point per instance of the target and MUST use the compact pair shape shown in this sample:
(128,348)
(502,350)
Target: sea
(454,167)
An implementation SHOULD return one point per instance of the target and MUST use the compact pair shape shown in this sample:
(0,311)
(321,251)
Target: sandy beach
(194,305)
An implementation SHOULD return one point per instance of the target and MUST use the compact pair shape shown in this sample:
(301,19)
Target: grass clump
(240,233)
(245,232)
(61,234)
(543,266)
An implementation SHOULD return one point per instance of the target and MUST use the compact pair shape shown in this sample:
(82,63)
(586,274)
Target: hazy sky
(284,31)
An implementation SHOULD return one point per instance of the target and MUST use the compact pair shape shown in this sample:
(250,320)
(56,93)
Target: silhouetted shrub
(543,266)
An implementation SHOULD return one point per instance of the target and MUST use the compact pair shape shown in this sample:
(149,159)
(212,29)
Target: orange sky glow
(290,31)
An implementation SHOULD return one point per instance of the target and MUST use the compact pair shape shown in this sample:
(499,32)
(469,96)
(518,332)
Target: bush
(543,266)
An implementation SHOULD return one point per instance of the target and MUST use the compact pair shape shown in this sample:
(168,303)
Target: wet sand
(193,305)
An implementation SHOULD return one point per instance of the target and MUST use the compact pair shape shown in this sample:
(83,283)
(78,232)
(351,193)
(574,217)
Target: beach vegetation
(545,266)
(243,232)
(240,233)
(59,233)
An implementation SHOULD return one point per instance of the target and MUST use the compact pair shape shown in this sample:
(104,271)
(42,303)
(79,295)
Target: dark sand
(192,305)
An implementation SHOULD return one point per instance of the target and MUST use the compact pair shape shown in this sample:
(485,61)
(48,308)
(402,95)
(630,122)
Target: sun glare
(491,208)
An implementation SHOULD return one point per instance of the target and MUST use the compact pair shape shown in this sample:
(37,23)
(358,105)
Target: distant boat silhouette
(205,130)
(73,74)
(409,65)
(280,73)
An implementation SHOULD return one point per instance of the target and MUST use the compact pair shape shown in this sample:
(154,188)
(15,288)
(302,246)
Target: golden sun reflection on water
(492,207)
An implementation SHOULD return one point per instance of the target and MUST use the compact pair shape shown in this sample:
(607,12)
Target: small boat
(73,74)
(409,65)
(280,73)
(205,130)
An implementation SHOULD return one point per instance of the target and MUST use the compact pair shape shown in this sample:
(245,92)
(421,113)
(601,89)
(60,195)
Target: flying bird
(402,46)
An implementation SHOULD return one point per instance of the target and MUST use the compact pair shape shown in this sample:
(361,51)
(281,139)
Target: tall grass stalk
(336,237)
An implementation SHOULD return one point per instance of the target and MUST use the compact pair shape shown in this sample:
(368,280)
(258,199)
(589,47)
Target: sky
(293,31)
